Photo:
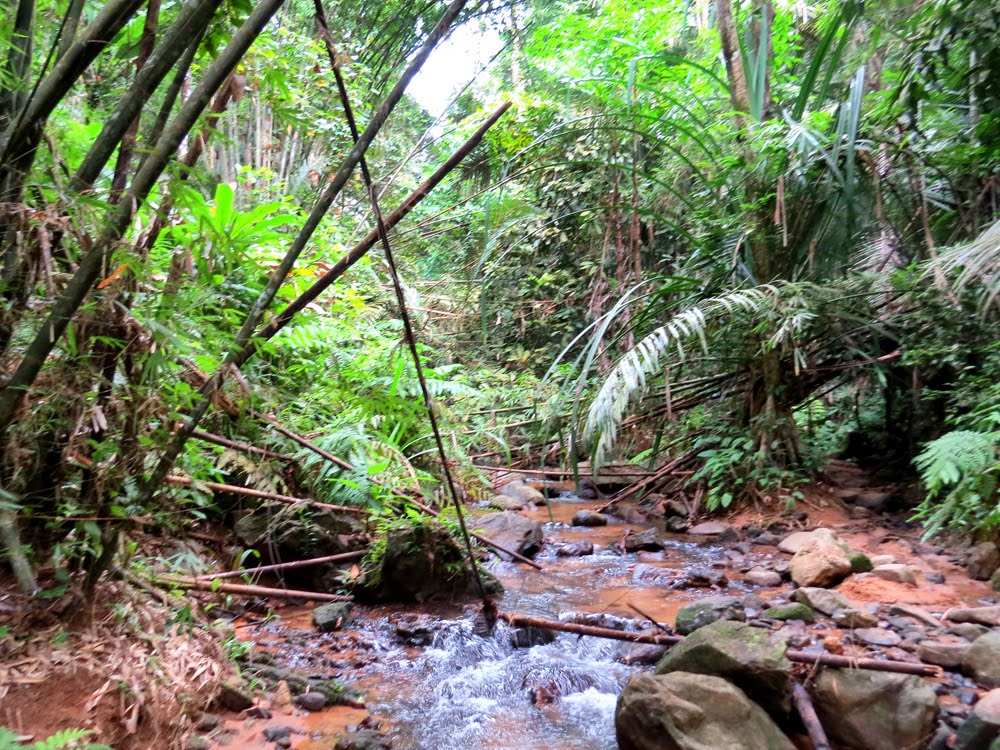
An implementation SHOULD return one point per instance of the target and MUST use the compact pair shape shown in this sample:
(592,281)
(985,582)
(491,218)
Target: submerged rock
(578,549)
(589,518)
(698,614)
(648,541)
(684,711)
(334,616)
(751,658)
(865,710)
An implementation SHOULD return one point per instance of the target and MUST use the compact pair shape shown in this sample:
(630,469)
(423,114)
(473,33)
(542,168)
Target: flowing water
(465,692)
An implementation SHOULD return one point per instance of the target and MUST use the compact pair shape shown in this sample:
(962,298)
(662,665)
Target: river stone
(721,529)
(866,710)
(676,524)
(644,574)
(751,658)
(823,600)
(311,701)
(765,578)
(877,637)
(983,560)
(854,618)
(820,562)
(982,661)
(511,530)
(883,559)
(589,518)
(946,654)
(895,572)
(529,636)
(983,725)
(968,630)
(683,711)
(784,612)
(577,549)
(690,617)
(648,540)
(523,493)
(704,578)
(502,502)
(643,653)
(796,540)
(333,616)
(980,615)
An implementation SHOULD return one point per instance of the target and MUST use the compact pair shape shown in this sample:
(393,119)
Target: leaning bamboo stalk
(283,566)
(802,657)
(807,712)
(243,589)
(651,479)
(237,445)
(250,492)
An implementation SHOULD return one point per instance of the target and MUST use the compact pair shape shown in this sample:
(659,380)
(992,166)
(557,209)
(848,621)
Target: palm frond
(974,262)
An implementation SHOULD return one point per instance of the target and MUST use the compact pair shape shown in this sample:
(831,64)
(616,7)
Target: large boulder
(751,658)
(421,561)
(982,660)
(698,614)
(983,725)
(798,539)
(866,710)
(820,562)
(511,531)
(684,711)
(523,493)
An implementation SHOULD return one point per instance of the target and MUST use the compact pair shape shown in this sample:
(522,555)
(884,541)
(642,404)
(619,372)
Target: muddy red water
(463,691)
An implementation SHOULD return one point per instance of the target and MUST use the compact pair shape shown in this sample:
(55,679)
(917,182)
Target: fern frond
(956,456)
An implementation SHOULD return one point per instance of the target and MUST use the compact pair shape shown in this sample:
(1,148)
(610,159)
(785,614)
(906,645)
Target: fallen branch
(282,566)
(239,588)
(250,492)
(651,479)
(208,437)
(807,712)
(803,657)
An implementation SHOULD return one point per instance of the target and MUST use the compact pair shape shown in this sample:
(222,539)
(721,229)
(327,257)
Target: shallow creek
(463,691)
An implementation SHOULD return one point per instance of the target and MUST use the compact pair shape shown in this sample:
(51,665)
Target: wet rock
(528,637)
(705,578)
(895,572)
(628,512)
(751,658)
(983,561)
(982,662)
(946,654)
(790,612)
(677,524)
(600,620)
(333,616)
(648,541)
(823,600)
(310,701)
(511,530)
(416,629)
(699,614)
(234,696)
(982,726)
(683,711)
(502,502)
(578,549)
(589,518)
(643,653)
(653,575)
(865,710)
(981,615)
(877,637)
(766,539)
(820,562)
(724,531)
(765,578)
(523,493)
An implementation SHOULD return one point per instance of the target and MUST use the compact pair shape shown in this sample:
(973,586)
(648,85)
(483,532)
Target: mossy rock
(790,612)
(860,563)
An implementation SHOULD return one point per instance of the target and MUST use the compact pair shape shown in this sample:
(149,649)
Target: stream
(459,690)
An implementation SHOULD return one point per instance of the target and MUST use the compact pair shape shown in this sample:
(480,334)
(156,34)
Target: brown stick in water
(282,566)
(239,588)
(817,735)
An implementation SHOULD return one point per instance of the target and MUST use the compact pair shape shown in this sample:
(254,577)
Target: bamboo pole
(209,437)
(817,735)
(239,588)
(250,492)
(802,657)
(649,480)
(282,566)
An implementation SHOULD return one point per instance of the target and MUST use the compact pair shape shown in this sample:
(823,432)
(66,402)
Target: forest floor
(60,670)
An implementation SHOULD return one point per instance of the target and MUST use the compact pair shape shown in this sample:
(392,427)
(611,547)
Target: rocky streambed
(745,592)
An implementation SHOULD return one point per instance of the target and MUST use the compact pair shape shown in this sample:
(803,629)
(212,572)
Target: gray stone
(705,578)
(982,662)
(751,658)
(698,614)
(273,734)
(983,560)
(786,612)
(767,539)
(578,549)
(946,654)
(823,600)
(523,493)
(981,615)
(854,618)
(877,637)
(765,578)
(333,616)
(511,530)
(502,502)
(648,540)
(982,727)
(968,630)
(865,710)
(683,711)
(917,613)
(311,701)
(589,518)
(713,528)
(895,572)
(820,562)
(643,653)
